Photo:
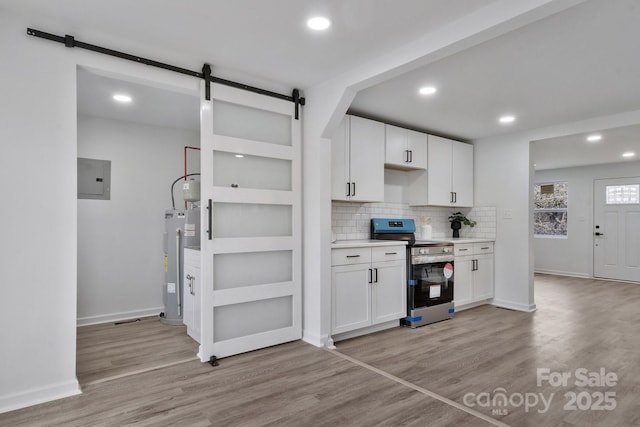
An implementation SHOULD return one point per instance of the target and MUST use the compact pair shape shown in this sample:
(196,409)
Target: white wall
(120,246)
(38,268)
(574,255)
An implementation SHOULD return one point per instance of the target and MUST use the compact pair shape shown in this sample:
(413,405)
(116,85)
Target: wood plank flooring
(579,323)
(107,350)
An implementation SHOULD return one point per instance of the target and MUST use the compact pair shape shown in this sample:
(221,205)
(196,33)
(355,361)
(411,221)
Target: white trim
(368,330)
(252,293)
(473,305)
(249,147)
(113,317)
(251,195)
(39,395)
(563,273)
(314,339)
(514,305)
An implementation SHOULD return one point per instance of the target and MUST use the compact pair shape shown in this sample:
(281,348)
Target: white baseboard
(563,273)
(368,330)
(39,395)
(514,305)
(314,339)
(114,317)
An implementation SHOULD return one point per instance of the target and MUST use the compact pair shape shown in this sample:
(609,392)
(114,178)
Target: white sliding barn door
(251,236)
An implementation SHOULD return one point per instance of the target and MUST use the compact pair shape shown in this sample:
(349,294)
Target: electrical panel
(94,179)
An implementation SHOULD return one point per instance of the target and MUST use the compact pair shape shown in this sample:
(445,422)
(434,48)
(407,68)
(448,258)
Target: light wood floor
(107,350)
(394,377)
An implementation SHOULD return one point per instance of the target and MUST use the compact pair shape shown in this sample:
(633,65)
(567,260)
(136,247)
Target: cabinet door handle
(391,253)
(376,270)
(462,250)
(451,197)
(353,256)
(354,189)
(348,189)
(370,276)
(455,197)
(484,248)
(410,156)
(406,156)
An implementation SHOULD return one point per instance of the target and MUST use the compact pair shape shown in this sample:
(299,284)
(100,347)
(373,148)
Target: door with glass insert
(251,241)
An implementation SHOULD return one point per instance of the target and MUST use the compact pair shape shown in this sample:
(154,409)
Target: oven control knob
(446,250)
(423,252)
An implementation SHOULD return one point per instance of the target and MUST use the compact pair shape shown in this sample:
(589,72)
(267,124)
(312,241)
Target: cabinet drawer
(483,248)
(463,249)
(388,253)
(350,256)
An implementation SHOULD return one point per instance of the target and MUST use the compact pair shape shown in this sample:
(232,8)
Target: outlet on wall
(508,214)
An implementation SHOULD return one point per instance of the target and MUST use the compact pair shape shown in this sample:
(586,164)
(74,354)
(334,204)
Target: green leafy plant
(459,217)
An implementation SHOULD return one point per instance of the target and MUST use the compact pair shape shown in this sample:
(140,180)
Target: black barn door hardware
(70,41)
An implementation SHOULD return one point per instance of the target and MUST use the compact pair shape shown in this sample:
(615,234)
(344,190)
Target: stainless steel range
(430,268)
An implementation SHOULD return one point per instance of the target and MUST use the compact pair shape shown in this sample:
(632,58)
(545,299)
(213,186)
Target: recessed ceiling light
(594,138)
(239,156)
(507,119)
(318,23)
(120,97)
(427,90)
(628,154)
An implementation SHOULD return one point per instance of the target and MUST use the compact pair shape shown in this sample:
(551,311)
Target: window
(550,210)
(623,194)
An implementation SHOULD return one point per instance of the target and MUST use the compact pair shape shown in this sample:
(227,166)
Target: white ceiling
(149,105)
(575,150)
(577,64)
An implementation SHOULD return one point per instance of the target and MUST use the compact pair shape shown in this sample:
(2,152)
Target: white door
(463,281)
(350,297)
(616,252)
(439,171)
(482,277)
(462,174)
(251,222)
(395,146)
(389,291)
(366,160)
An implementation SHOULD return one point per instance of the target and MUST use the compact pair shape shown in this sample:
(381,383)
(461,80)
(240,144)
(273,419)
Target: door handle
(209,214)
(376,270)
(370,276)
(599,234)
(354,189)
(348,189)
(410,156)
(406,156)
(455,197)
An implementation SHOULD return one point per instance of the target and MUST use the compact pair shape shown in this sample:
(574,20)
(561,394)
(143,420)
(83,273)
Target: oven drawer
(350,256)
(388,253)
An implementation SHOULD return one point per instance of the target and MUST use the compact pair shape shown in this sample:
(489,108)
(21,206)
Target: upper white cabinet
(404,148)
(357,161)
(449,177)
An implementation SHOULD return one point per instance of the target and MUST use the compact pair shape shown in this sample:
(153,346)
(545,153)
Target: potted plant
(457,219)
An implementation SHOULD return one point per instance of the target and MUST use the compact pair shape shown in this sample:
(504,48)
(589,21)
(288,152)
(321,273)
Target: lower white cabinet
(473,273)
(368,287)
(191,293)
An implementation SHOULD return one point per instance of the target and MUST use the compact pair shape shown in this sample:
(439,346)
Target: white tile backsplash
(351,221)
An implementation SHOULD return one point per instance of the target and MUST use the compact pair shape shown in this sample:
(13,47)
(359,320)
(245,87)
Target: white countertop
(365,243)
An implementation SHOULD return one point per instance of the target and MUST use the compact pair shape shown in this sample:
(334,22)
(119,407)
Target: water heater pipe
(187,147)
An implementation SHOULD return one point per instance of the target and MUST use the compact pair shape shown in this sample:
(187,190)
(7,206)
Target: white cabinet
(357,161)
(191,293)
(404,148)
(450,173)
(368,287)
(473,265)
